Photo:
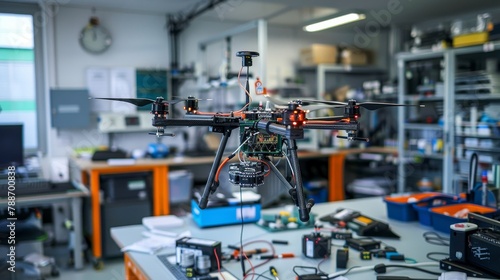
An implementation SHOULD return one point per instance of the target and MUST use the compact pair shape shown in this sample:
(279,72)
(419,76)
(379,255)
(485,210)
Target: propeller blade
(336,104)
(136,101)
(378,105)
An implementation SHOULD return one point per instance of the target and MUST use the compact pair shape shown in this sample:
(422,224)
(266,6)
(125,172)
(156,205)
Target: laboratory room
(249,139)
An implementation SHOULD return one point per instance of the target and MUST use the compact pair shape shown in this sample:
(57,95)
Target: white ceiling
(295,12)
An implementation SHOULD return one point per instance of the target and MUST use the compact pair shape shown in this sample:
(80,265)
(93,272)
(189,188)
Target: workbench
(412,244)
(86,173)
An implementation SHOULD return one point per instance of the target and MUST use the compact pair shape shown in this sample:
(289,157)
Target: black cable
(409,267)
(434,238)
(304,267)
(242,259)
(436,253)
(319,264)
(259,275)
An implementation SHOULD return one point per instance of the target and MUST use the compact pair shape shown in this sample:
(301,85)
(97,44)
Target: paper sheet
(98,86)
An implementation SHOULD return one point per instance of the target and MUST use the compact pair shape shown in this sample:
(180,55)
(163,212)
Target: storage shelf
(414,98)
(486,47)
(479,96)
(466,124)
(484,150)
(419,154)
(343,69)
(477,136)
(420,55)
(422,126)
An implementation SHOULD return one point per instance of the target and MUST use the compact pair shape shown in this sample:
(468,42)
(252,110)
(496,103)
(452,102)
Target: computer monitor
(11,145)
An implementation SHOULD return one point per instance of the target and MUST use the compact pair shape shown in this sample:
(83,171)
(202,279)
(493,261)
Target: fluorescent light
(336,21)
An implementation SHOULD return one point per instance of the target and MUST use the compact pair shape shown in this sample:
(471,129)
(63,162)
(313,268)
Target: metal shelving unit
(321,77)
(450,59)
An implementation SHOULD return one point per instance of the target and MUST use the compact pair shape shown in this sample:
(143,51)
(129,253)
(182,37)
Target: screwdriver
(274,272)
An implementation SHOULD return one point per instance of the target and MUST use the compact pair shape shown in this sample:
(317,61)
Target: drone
(264,134)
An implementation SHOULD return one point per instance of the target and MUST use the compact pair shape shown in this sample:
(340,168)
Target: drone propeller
(283,104)
(139,102)
(366,105)
(180,98)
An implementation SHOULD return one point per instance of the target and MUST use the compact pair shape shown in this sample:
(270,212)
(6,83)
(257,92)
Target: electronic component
(363,244)
(316,246)
(188,250)
(248,174)
(342,257)
(474,246)
(365,255)
(484,250)
(459,236)
(341,234)
(359,223)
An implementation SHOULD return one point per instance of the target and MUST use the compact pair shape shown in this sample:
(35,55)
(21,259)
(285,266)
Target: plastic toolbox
(444,216)
(423,207)
(401,207)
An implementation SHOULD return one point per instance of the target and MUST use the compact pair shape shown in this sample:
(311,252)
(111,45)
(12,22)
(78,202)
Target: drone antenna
(246,61)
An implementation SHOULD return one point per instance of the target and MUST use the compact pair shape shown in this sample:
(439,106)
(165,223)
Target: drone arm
(332,125)
(280,129)
(182,122)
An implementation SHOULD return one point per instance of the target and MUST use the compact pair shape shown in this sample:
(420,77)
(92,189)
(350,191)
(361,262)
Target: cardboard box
(354,56)
(318,54)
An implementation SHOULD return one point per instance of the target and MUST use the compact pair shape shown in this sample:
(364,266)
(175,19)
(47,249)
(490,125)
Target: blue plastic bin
(444,216)
(422,208)
(401,207)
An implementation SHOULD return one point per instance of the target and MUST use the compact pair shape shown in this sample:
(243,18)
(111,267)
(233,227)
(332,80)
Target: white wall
(139,40)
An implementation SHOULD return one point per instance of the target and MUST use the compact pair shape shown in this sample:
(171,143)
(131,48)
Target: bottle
(259,88)
(484,187)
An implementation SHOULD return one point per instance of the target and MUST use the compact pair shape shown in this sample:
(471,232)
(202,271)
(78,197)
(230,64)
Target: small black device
(363,244)
(359,223)
(459,236)
(342,257)
(198,248)
(246,57)
(316,246)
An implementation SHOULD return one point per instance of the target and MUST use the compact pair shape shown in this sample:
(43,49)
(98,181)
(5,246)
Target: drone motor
(191,105)
(247,175)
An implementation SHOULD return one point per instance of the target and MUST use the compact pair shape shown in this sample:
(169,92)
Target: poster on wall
(98,85)
(122,86)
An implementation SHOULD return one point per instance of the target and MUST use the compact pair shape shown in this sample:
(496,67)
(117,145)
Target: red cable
(218,264)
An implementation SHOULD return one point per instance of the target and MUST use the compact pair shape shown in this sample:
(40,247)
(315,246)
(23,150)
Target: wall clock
(94,38)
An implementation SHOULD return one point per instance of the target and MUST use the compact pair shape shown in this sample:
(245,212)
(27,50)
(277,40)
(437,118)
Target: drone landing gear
(298,192)
(211,185)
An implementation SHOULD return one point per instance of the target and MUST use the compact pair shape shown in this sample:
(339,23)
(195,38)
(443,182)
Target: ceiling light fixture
(332,22)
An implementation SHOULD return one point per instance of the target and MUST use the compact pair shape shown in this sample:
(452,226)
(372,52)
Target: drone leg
(294,162)
(210,187)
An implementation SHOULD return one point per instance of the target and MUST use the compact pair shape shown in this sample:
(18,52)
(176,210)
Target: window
(21,87)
